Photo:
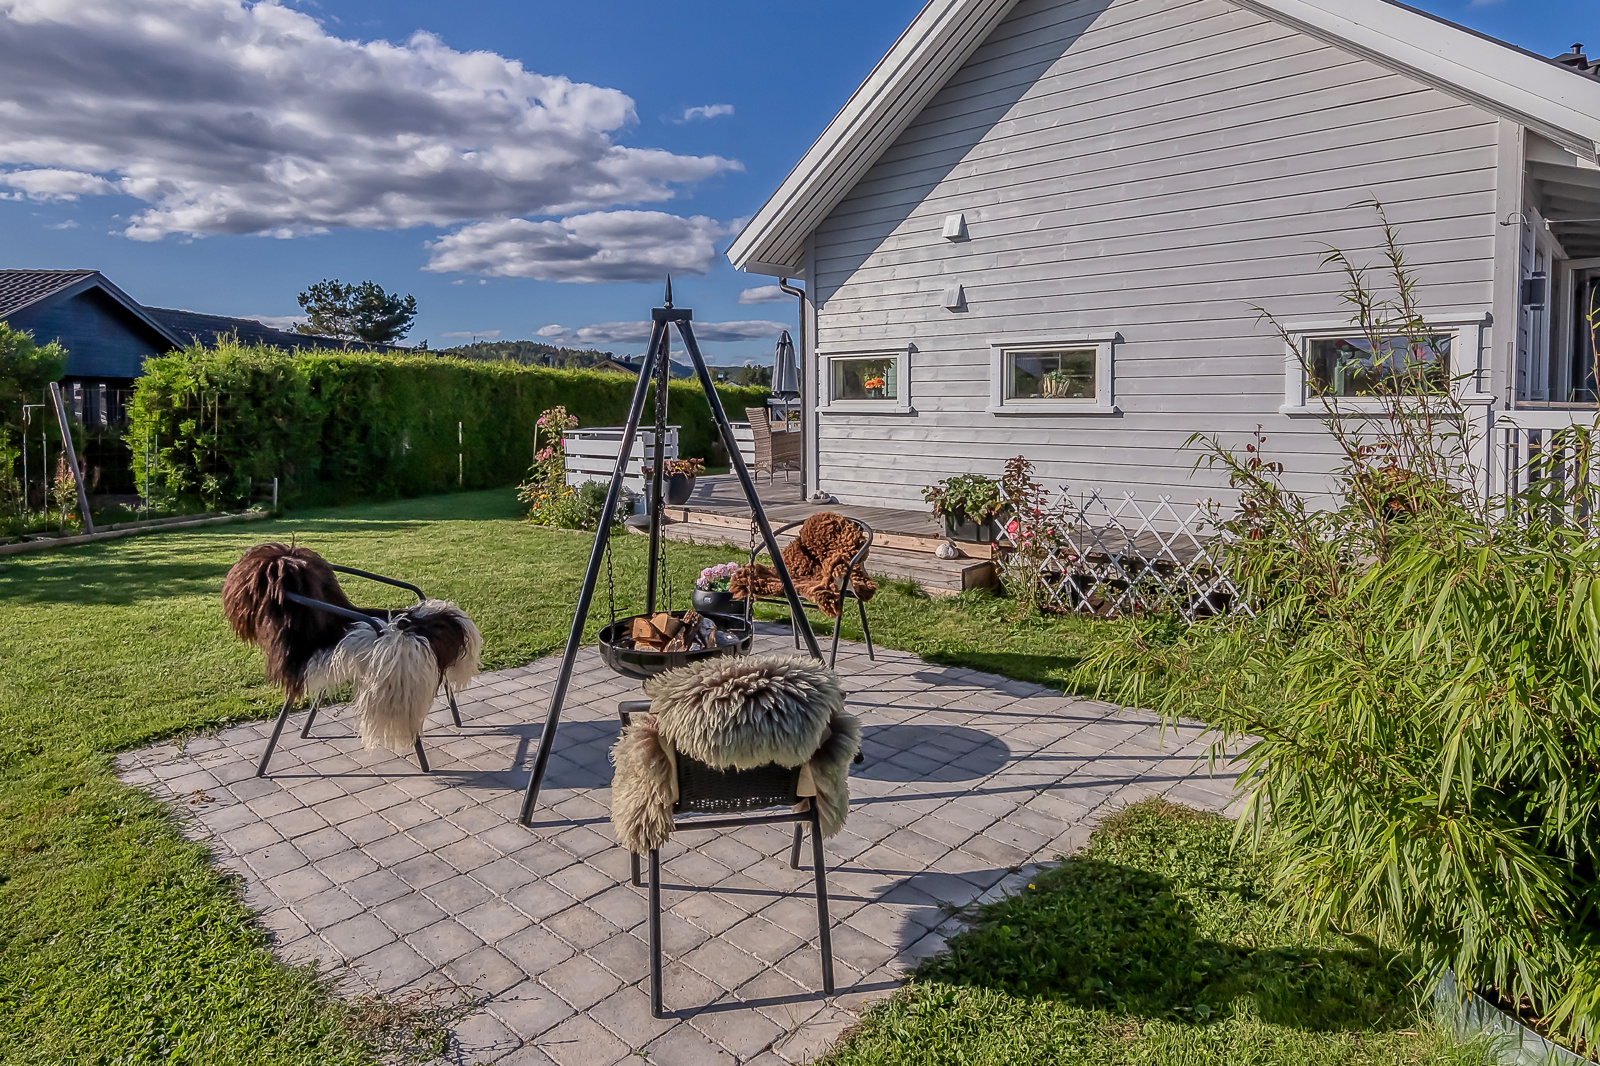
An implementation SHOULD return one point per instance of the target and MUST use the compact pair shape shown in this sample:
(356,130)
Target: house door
(1583,369)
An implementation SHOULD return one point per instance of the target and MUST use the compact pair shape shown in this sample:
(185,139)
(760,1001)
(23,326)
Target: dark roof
(194,326)
(20,288)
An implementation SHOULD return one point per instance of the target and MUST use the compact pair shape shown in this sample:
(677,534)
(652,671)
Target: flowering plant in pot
(678,480)
(711,589)
(970,505)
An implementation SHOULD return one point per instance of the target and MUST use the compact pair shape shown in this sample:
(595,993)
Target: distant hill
(529,353)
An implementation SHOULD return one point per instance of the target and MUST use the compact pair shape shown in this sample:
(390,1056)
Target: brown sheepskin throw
(817,559)
(396,667)
(737,713)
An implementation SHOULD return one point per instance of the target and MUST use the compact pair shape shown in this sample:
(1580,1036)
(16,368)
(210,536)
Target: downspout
(805,383)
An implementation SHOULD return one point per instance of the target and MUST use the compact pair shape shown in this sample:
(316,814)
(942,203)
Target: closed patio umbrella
(786,370)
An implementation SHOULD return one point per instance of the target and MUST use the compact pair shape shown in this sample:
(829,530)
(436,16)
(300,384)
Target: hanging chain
(611,584)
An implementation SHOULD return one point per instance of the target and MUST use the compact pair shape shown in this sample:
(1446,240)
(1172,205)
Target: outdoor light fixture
(955,227)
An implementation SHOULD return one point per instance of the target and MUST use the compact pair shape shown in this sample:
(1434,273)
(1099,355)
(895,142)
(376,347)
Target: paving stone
(683,1046)
(580,981)
(358,936)
(529,1009)
(737,1030)
(812,1040)
(443,941)
(626,1012)
(723,963)
(296,885)
(540,900)
(392,967)
(408,913)
(378,887)
(424,871)
(581,1041)
(486,970)
(458,894)
(535,950)
(494,920)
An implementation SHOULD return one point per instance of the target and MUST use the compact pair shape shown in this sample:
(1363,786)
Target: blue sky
(160,160)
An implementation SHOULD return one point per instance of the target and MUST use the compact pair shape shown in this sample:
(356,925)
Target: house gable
(1144,172)
(1507,81)
(106,334)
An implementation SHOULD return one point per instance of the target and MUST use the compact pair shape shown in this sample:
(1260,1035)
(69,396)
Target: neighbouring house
(1043,227)
(108,335)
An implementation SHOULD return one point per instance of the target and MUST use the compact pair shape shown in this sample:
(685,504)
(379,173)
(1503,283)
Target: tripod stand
(657,368)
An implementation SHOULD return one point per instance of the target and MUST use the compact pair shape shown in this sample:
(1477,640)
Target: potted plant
(678,480)
(971,505)
(711,590)
(874,387)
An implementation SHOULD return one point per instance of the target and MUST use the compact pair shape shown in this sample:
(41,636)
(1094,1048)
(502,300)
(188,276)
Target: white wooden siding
(1150,167)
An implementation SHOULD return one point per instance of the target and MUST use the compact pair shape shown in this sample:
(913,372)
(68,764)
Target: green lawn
(118,943)
(1150,946)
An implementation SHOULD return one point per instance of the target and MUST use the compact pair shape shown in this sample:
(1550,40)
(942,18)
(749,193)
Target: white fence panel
(592,454)
(745,437)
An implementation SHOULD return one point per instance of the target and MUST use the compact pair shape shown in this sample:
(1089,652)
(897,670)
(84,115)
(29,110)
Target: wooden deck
(903,540)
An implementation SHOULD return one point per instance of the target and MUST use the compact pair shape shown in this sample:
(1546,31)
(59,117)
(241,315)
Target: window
(1056,375)
(1349,366)
(1330,365)
(865,378)
(1062,375)
(875,380)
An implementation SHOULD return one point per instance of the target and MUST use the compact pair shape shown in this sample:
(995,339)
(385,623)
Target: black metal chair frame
(846,592)
(370,618)
(724,785)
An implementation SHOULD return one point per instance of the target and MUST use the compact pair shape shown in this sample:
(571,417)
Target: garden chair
(844,585)
(287,601)
(794,754)
(772,449)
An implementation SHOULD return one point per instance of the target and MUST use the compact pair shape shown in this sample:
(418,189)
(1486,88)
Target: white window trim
(1466,355)
(900,405)
(1103,402)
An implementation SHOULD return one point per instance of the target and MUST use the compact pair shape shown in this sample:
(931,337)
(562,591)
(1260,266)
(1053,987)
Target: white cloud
(764,294)
(602,246)
(66,224)
(639,332)
(50,183)
(707,111)
(232,117)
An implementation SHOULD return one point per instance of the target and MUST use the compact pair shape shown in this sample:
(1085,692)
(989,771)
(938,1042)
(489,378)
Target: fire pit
(645,645)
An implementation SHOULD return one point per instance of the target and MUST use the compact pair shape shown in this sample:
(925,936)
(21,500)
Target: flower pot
(716,602)
(966,529)
(678,489)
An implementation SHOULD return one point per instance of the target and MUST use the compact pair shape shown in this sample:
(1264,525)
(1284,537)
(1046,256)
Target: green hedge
(343,426)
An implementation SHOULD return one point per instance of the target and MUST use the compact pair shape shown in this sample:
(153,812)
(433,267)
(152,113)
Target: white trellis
(1110,557)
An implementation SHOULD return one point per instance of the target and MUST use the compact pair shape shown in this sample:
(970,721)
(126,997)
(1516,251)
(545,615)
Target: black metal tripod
(656,367)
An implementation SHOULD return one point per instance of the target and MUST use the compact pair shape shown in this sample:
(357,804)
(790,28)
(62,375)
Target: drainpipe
(806,477)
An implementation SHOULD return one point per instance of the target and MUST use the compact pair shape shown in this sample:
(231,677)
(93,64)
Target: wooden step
(910,542)
(938,577)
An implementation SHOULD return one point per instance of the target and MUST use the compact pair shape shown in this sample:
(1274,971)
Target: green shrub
(336,426)
(1416,701)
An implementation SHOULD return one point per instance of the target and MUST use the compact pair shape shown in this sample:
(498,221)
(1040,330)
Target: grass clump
(1154,945)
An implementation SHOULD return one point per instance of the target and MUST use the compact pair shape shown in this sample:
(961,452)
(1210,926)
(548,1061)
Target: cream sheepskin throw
(738,713)
(396,670)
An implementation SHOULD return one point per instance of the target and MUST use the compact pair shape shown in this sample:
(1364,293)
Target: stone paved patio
(401,879)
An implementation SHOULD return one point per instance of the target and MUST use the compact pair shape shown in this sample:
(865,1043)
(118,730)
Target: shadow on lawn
(1105,936)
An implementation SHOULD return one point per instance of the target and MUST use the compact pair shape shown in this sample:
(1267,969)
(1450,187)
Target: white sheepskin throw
(397,669)
(733,714)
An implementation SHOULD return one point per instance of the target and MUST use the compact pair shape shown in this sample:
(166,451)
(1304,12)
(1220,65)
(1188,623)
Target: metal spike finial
(669,290)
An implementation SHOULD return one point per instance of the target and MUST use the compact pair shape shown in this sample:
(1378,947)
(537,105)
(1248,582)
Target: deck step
(938,577)
(901,541)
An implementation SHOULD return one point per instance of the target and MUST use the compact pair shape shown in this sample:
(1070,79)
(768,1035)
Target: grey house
(1041,227)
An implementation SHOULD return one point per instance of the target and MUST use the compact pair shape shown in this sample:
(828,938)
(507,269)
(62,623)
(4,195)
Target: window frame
(900,405)
(1102,403)
(1466,355)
